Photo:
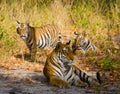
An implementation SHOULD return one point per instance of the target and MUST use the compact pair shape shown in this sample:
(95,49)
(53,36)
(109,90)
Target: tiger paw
(66,86)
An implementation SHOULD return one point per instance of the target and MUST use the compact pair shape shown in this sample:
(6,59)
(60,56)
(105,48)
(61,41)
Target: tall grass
(97,17)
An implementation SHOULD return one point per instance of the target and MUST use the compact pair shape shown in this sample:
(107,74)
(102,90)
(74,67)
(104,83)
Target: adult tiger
(82,43)
(60,72)
(38,37)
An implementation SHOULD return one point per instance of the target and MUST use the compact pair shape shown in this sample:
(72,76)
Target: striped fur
(59,69)
(38,37)
(83,44)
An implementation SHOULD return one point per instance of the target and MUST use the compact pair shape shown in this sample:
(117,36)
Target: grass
(100,19)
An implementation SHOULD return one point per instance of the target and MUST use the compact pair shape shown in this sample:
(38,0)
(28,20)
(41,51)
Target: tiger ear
(76,33)
(84,33)
(27,23)
(58,46)
(18,23)
(59,39)
(14,18)
(58,43)
(68,43)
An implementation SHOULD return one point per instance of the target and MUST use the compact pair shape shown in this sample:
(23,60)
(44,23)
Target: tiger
(82,43)
(60,72)
(37,37)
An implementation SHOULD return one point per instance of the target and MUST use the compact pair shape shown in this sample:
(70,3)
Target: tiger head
(22,29)
(82,43)
(79,42)
(64,53)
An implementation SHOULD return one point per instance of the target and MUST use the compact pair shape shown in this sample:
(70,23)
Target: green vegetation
(108,64)
(99,18)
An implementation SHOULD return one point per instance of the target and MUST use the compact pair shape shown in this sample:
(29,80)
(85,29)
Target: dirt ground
(17,77)
(30,82)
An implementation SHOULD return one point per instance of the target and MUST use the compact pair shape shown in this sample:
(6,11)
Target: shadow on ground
(27,57)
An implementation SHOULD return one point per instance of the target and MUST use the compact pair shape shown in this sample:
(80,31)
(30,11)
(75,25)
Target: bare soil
(24,77)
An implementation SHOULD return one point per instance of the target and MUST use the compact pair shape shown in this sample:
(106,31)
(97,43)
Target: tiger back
(38,37)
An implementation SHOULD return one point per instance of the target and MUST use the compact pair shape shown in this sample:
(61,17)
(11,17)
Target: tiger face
(64,53)
(22,29)
(79,42)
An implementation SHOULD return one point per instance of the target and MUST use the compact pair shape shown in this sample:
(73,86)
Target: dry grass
(81,16)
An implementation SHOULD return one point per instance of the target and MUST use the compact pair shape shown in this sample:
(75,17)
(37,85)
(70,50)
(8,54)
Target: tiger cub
(60,72)
(38,37)
(82,43)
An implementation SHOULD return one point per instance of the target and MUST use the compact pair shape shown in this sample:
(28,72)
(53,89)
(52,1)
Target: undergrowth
(100,19)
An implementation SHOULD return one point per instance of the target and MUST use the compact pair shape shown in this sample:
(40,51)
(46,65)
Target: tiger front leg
(48,50)
(81,84)
(58,82)
(33,52)
(77,82)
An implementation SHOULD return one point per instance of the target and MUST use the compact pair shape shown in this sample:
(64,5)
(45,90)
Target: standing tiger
(60,72)
(41,37)
(82,43)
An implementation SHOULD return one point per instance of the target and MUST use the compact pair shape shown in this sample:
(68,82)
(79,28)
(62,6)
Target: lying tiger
(60,72)
(38,37)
